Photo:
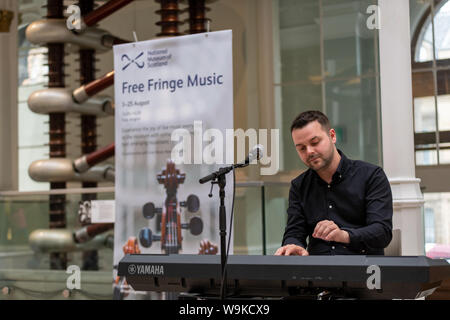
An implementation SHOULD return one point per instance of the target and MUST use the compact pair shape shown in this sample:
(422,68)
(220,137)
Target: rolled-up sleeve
(377,233)
(295,232)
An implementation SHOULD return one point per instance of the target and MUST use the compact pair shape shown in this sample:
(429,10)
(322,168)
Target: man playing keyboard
(343,206)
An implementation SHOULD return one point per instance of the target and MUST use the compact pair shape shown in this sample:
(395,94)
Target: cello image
(169,217)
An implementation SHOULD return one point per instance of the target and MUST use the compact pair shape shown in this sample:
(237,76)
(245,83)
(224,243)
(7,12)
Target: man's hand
(327,230)
(291,250)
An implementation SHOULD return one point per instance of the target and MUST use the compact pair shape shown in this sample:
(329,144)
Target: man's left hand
(327,230)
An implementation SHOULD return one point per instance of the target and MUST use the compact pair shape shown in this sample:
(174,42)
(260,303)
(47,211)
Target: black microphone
(256,154)
(207,178)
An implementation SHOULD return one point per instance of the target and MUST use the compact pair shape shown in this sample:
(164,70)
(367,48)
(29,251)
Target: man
(344,206)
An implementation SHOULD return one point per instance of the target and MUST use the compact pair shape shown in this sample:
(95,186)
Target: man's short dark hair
(309,116)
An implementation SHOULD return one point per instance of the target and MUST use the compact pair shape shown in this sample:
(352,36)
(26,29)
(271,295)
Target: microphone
(255,154)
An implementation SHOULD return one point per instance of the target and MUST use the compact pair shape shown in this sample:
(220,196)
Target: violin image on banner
(171,239)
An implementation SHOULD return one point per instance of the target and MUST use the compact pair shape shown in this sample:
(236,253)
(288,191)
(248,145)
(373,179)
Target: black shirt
(358,200)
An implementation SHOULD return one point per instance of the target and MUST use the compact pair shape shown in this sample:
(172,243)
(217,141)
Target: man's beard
(326,162)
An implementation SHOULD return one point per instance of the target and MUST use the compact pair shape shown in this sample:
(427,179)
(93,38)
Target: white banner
(164,89)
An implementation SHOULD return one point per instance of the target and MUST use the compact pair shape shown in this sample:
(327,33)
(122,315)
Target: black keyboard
(360,277)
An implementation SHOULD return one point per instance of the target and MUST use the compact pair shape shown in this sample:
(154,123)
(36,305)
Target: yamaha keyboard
(359,277)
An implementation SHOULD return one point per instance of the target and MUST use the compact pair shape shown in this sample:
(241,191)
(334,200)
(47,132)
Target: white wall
(397,123)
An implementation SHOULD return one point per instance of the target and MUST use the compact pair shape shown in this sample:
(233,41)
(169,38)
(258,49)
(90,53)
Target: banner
(174,103)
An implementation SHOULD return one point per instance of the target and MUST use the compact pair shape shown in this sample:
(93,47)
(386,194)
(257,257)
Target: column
(397,123)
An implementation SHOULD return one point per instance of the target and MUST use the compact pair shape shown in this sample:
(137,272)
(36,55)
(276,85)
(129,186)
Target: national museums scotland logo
(130,61)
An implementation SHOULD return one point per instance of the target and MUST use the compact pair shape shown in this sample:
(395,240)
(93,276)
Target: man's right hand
(291,250)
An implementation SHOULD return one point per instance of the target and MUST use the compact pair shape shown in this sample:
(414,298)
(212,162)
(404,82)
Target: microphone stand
(219,177)
(221,181)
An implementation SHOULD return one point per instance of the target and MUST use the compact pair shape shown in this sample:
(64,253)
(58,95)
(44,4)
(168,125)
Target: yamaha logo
(147,269)
(131,269)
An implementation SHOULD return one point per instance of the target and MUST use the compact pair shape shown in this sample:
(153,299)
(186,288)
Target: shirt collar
(342,167)
(343,164)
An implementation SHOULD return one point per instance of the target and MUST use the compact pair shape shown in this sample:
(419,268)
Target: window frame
(419,76)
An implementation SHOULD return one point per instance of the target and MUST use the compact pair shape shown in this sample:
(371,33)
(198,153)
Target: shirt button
(330,206)
(333,247)
(329,186)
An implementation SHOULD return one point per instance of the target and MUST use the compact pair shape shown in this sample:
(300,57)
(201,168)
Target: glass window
(441,35)
(443,104)
(33,72)
(429,226)
(328,62)
(424,114)
(430,22)
(437,225)
(431,81)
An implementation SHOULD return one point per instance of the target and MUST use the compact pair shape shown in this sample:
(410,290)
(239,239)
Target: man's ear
(332,134)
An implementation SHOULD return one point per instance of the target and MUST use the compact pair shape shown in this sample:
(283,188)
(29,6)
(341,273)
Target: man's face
(314,145)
